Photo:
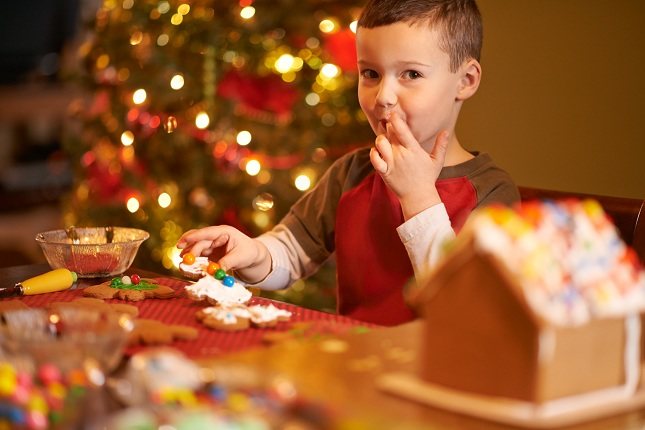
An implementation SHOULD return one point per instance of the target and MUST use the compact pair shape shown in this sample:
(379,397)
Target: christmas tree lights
(205,112)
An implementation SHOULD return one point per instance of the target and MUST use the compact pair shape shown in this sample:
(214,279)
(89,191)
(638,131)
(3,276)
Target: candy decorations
(133,282)
(225,291)
(201,266)
(188,259)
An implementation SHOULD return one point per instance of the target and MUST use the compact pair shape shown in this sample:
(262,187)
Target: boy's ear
(471,74)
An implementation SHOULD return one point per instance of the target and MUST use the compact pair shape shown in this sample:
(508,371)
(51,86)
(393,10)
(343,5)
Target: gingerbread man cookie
(153,332)
(129,288)
(97,305)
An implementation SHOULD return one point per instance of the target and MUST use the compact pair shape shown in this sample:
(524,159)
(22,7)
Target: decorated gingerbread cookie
(129,288)
(195,267)
(219,289)
(240,317)
(153,332)
(268,316)
(228,318)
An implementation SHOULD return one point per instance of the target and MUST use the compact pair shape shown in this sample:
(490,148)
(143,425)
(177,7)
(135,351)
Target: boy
(384,210)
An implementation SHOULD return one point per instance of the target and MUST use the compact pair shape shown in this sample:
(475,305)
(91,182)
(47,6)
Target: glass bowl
(65,338)
(92,252)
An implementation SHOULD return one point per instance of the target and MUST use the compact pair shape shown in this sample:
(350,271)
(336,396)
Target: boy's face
(403,70)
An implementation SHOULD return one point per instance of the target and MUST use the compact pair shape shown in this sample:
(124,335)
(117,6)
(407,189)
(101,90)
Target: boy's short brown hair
(458,21)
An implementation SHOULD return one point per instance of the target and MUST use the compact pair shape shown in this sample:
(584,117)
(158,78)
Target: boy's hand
(231,248)
(407,168)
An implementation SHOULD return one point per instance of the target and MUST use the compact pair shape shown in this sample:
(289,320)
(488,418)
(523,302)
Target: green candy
(219,274)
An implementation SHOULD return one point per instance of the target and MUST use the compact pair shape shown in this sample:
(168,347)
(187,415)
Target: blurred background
(168,115)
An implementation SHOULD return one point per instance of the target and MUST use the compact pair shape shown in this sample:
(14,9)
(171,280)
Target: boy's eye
(369,74)
(412,74)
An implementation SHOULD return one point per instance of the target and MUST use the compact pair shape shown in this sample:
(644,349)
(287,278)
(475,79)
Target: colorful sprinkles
(567,256)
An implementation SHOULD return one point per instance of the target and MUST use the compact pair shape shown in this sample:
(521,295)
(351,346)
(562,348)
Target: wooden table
(342,371)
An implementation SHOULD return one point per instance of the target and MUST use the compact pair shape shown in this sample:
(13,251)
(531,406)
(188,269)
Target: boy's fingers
(384,147)
(183,241)
(221,240)
(401,131)
(209,233)
(198,241)
(226,263)
(381,154)
(230,261)
(377,162)
(198,248)
(440,146)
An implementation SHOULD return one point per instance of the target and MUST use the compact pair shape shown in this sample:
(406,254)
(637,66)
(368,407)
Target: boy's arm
(424,237)
(288,260)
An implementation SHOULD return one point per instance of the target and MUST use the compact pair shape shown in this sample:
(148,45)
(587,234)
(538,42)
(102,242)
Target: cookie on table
(227,318)
(98,305)
(153,332)
(240,317)
(195,268)
(129,288)
(268,316)
(219,289)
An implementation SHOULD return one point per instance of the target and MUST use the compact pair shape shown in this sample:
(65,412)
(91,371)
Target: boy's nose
(386,95)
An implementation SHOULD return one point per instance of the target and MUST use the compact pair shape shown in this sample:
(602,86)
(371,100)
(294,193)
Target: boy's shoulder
(355,159)
(480,163)
(491,182)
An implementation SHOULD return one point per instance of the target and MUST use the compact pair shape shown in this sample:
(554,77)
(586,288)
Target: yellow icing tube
(55,280)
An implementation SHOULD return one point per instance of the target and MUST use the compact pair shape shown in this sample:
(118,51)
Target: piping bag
(49,282)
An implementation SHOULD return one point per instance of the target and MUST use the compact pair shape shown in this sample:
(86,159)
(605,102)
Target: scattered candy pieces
(36,401)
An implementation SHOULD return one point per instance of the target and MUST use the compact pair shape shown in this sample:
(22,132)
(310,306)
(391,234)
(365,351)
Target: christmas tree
(208,112)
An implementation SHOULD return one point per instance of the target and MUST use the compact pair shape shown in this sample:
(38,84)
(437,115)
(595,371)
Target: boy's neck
(456,154)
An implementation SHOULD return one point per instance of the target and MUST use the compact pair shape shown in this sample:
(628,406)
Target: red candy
(135,279)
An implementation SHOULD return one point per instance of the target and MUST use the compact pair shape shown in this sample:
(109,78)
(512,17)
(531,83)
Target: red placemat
(181,310)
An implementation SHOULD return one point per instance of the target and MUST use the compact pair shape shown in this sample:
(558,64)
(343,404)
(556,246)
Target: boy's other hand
(408,170)
(231,248)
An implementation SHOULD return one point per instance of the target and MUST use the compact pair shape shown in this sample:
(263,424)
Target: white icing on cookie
(261,314)
(198,268)
(227,314)
(209,288)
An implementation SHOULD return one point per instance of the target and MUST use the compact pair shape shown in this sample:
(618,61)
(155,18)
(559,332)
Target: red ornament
(258,94)
(341,47)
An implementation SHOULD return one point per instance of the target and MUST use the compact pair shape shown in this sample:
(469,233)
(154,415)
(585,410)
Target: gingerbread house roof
(563,262)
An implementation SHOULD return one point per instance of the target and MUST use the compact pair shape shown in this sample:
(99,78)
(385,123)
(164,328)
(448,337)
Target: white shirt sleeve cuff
(424,236)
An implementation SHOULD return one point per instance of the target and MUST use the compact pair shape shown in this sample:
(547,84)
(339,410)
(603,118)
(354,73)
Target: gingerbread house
(540,305)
